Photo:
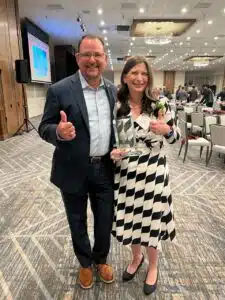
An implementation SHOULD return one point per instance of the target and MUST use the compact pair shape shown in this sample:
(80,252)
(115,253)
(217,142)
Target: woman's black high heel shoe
(128,276)
(150,288)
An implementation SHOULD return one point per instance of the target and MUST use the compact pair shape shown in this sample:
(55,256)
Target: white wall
(36,94)
(158,77)
(117,77)
(179,79)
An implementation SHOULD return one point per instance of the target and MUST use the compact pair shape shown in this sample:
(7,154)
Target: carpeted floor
(36,257)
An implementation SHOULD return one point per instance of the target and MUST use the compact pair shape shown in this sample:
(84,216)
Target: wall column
(169,80)
(11,96)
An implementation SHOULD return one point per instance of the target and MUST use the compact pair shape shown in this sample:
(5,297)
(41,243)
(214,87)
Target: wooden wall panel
(11,96)
(169,80)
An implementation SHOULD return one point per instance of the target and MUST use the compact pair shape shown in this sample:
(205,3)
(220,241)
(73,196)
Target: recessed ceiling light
(141,10)
(105,38)
(210,22)
(192,50)
(107,44)
(100,11)
(214,50)
(205,53)
(184,10)
(181,43)
(205,43)
(188,38)
(133,38)
(171,50)
(131,44)
(198,31)
(216,38)
(104,31)
(102,23)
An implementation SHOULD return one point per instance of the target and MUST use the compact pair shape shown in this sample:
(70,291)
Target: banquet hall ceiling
(66,21)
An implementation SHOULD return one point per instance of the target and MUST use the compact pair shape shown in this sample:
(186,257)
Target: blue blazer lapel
(78,92)
(111,97)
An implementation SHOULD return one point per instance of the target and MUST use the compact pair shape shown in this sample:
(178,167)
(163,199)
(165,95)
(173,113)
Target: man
(221,95)
(207,94)
(182,94)
(193,94)
(77,120)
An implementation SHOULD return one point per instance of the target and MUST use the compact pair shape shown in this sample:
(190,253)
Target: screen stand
(26,122)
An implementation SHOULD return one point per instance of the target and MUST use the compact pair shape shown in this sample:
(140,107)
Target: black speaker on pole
(22,71)
(23,76)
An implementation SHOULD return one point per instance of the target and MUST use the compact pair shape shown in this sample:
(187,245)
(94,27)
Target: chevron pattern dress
(143,203)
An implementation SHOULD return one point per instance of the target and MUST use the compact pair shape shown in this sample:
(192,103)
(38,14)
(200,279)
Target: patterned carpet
(37,260)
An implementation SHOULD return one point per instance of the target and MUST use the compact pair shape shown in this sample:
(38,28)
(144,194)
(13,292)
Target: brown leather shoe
(105,273)
(86,278)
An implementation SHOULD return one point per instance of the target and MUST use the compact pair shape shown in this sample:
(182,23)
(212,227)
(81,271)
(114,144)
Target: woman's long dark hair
(123,93)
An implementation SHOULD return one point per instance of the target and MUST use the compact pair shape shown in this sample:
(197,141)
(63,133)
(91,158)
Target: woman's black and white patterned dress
(143,203)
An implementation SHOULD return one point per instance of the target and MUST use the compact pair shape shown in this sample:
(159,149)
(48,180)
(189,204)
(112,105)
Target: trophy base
(131,152)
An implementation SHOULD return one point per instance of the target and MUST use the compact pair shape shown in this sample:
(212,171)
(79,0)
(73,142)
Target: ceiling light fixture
(201,63)
(216,38)
(100,11)
(102,23)
(188,38)
(206,44)
(133,38)
(198,31)
(210,22)
(141,10)
(184,10)
(214,50)
(160,40)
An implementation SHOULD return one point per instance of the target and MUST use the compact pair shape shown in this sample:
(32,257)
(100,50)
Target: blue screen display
(40,62)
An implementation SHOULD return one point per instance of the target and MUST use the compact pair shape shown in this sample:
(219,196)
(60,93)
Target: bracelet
(169,134)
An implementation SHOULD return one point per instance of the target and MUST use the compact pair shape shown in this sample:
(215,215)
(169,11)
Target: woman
(143,205)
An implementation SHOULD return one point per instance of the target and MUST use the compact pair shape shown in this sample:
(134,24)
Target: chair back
(199,108)
(197,119)
(209,120)
(222,120)
(183,129)
(188,109)
(217,135)
(182,115)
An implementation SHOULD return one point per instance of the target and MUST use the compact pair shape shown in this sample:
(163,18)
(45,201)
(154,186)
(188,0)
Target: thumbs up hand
(159,127)
(161,115)
(65,129)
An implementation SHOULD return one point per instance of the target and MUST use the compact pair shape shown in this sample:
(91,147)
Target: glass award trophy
(125,136)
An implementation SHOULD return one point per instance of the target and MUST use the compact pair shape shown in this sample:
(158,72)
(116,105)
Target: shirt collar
(85,84)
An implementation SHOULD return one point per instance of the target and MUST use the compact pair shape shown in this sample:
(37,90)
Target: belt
(97,159)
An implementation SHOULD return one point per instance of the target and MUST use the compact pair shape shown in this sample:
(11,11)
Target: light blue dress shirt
(99,116)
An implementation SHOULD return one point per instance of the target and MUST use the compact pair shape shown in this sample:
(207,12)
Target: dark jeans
(99,186)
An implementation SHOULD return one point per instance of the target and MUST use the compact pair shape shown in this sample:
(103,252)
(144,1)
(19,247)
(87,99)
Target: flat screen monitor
(39,60)
(36,51)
